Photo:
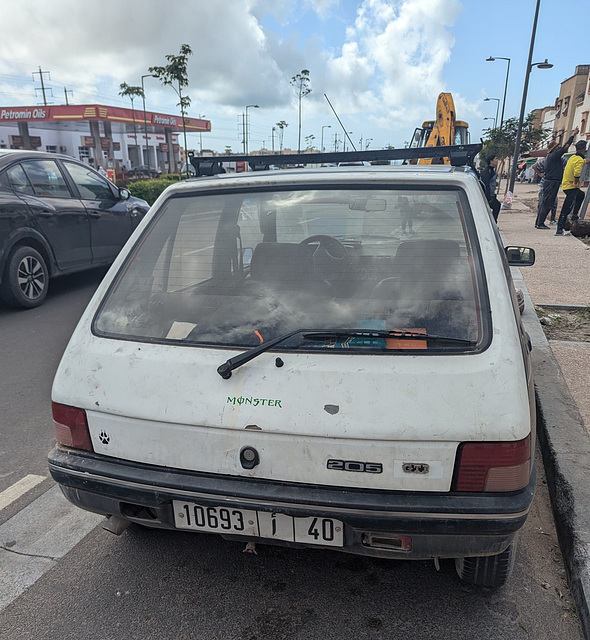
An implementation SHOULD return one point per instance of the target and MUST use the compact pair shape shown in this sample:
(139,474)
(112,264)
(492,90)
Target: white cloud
(387,69)
(395,54)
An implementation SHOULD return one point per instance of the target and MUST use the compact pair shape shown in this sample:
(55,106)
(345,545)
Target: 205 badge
(355,466)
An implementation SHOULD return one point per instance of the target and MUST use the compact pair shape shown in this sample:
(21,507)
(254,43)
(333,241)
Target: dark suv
(57,216)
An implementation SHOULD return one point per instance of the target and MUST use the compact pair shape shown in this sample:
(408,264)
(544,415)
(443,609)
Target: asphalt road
(63,576)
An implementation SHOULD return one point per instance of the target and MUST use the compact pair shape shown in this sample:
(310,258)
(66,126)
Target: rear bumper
(442,525)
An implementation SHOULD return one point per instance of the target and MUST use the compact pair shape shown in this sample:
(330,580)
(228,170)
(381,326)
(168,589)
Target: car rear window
(240,268)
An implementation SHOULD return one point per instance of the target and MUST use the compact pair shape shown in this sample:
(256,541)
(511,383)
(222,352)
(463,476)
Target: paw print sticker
(104,437)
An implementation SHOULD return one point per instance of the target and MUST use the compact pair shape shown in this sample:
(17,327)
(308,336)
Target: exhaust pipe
(116,525)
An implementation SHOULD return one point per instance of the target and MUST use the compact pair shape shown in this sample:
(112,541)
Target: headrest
(281,263)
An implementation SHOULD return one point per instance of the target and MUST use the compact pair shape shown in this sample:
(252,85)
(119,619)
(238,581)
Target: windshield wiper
(225,369)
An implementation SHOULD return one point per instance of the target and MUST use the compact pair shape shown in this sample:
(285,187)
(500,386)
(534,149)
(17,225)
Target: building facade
(571,95)
(112,137)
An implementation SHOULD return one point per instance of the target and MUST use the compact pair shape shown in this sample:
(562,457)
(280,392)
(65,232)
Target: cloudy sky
(381,63)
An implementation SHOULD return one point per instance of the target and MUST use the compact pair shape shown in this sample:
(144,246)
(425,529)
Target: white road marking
(34,539)
(19,489)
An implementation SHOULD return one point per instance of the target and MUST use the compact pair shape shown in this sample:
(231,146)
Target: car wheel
(26,279)
(487,571)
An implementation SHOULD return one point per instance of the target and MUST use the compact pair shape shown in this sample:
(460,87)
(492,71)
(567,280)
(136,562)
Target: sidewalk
(559,277)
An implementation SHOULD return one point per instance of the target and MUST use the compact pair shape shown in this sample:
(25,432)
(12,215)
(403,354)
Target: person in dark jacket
(488,180)
(553,177)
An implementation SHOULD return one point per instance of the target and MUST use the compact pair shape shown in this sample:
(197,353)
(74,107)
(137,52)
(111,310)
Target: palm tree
(301,84)
(281,125)
(127,91)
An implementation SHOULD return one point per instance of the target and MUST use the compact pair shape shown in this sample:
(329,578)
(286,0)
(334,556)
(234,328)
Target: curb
(565,448)
(562,307)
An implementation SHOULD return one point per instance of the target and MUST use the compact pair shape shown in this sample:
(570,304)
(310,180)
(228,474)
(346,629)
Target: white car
(323,357)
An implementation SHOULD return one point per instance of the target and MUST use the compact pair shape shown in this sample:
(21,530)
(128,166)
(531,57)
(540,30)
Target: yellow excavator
(445,130)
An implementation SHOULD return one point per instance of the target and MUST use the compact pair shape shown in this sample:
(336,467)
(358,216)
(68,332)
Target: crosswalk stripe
(18,489)
(33,540)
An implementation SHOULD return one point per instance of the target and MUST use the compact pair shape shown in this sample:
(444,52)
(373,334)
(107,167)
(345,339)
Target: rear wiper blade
(225,369)
(376,333)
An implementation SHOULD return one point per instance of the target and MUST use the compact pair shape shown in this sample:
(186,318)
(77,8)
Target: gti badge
(415,467)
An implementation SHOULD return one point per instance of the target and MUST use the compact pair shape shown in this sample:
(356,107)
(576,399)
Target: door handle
(94,214)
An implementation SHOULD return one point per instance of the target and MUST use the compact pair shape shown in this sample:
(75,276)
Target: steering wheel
(330,258)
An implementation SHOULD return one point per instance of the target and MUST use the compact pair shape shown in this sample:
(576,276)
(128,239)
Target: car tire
(487,571)
(26,278)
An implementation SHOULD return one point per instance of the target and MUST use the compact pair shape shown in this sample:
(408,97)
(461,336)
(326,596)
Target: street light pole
(494,119)
(145,131)
(530,65)
(245,127)
(491,59)
(201,137)
(326,126)
(348,133)
(497,107)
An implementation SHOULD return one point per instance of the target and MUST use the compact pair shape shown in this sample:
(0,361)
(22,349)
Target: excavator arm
(443,131)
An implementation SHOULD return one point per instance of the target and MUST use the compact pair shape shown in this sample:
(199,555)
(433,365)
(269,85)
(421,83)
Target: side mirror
(520,256)
(124,194)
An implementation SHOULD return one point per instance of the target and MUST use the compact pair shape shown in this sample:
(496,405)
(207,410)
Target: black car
(143,172)
(57,216)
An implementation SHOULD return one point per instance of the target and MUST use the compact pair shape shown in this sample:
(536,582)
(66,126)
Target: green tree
(282,125)
(301,84)
(175,74)
(501,142)
(228,150)
(128,91)
(309,141)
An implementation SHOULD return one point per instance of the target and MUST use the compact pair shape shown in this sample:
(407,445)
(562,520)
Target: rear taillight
(71,426)
(493,466)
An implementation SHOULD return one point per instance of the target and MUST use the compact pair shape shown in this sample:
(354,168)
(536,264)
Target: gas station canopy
(76,118)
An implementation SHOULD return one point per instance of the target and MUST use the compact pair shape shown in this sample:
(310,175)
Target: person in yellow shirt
(570,183)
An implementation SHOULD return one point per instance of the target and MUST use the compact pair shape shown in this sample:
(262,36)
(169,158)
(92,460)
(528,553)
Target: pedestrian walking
(574,196)
(488,180)
(553,176)
(539,169)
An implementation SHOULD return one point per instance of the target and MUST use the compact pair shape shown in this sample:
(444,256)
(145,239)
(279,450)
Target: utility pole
(66,95)
(42,84)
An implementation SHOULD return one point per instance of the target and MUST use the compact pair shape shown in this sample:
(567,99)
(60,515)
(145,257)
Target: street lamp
(497,107)
(492,59)
(201,137)
(494,119)
(245,127)
(348,133)
(326,126)
(541,65)
(145,131)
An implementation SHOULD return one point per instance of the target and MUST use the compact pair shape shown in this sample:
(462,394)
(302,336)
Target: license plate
(259,524)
